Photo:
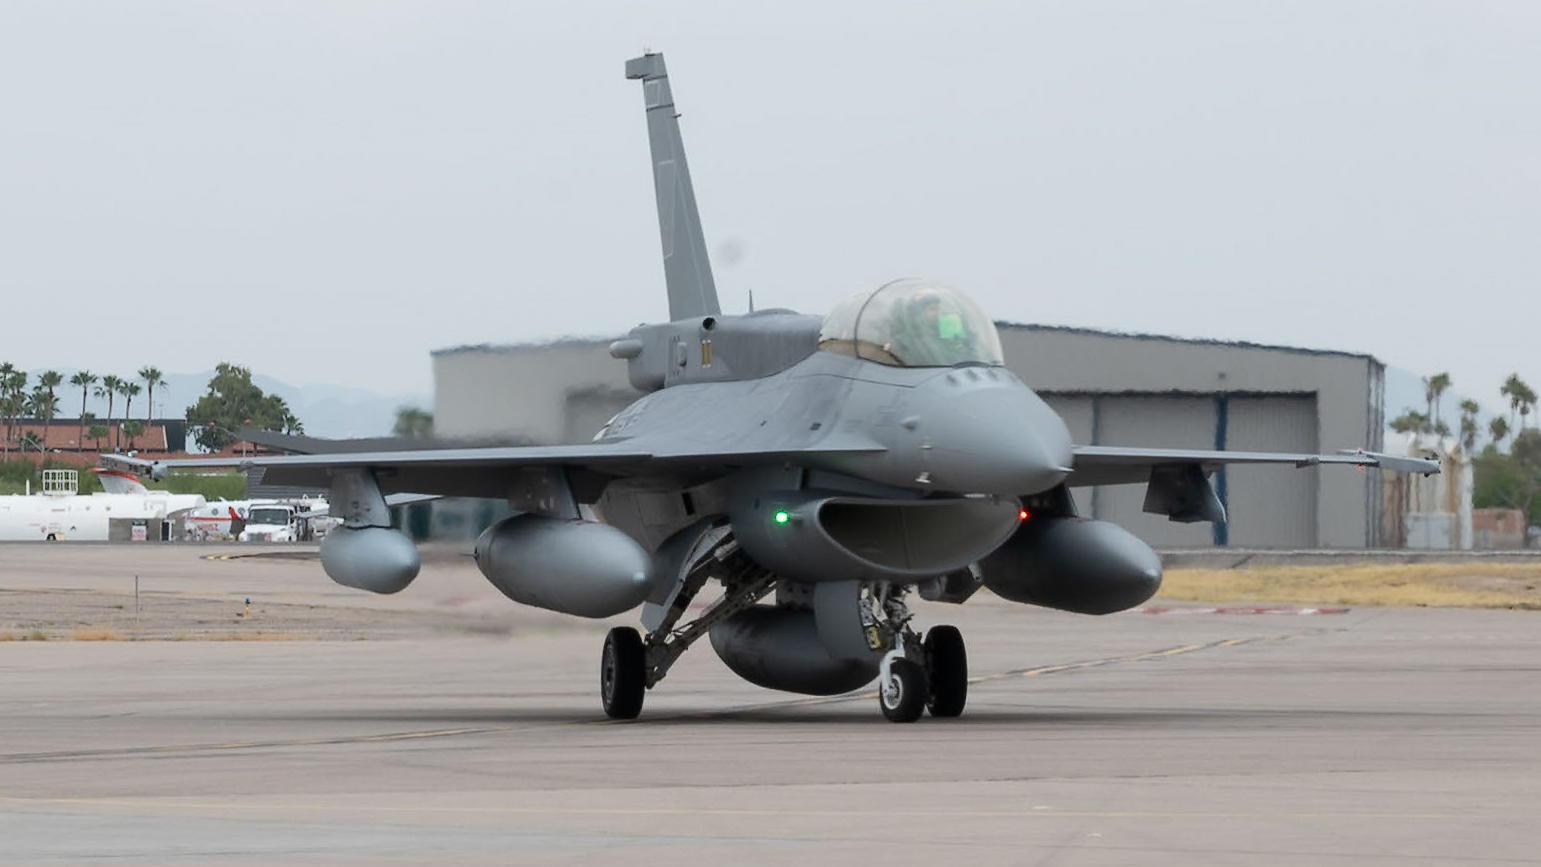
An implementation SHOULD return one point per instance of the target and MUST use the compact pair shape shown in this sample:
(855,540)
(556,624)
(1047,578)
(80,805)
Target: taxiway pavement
(1367,737)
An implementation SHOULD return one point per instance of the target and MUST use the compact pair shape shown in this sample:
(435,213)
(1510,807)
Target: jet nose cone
(998,440)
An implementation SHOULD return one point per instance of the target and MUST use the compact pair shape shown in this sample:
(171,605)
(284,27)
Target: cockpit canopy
(912,323)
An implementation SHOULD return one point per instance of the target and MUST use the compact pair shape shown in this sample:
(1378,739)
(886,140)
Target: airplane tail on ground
(687,271)
(118,481)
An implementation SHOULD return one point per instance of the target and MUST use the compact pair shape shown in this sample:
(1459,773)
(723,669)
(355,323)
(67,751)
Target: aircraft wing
(481,472)
(1117,465)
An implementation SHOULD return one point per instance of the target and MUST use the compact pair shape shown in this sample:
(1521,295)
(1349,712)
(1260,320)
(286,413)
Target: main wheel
(946,671)
(622,673)
(903,696)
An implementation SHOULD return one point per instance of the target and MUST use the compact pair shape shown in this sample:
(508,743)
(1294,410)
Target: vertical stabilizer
(687,271)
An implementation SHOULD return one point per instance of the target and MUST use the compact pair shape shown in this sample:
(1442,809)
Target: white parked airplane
(59,512)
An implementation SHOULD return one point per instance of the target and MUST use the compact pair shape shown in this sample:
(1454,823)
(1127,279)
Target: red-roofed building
(161,438)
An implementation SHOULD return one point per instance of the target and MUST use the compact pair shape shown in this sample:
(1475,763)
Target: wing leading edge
(1118,465)
(479,472)
(1177,480)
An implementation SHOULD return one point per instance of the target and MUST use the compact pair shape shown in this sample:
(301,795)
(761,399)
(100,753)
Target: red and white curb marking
(1237,609)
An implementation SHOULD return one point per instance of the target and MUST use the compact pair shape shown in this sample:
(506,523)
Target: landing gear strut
(631,665)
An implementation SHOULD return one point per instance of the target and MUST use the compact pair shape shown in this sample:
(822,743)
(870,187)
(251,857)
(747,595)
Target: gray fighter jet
(820,470)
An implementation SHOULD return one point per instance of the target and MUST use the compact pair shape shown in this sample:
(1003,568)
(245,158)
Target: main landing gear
(631,664)
(914,675)
(623,673)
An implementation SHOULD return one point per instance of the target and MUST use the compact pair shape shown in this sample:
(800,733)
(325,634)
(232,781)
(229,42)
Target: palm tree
(85,379)
(129,390)
(132,429)
(152,377)
(1497,428)
(97,433)
(6,371)
(1434,388)
(1469,410)
(1411,421)
(47,381)
(16,391)
(13,386)
(40,404)
(1520,396)
(109,390)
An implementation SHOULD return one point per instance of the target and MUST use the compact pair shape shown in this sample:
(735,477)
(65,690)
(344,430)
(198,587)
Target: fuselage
(878,412)
(84,518)
(970,429)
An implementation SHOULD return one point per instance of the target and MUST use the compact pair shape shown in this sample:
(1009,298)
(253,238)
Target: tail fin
(118,481)
(687,271)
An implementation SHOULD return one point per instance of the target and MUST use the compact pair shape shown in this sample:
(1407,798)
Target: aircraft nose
(997,439)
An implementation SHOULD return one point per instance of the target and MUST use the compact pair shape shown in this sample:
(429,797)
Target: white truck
(271,522)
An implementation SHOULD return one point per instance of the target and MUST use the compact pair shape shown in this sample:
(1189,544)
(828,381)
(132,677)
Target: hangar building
(1111,389)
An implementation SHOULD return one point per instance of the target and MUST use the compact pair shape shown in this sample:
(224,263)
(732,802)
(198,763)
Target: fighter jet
(816,473)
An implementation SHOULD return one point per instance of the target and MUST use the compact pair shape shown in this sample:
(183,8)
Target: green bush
(17,472)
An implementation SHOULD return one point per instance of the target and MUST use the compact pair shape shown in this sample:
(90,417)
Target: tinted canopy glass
(912,323)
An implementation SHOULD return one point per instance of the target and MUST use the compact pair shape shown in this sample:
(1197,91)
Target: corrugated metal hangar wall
(1111,389)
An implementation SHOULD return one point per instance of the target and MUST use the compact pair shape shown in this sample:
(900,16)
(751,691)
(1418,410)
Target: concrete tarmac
(1367,737)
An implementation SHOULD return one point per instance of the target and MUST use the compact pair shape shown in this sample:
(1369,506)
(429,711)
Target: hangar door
(1155,421)
(1272,507)
(1269,507)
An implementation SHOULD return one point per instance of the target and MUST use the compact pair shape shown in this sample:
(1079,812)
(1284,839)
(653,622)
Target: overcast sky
(326,191)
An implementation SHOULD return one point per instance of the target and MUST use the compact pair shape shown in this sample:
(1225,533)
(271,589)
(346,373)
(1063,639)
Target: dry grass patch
(95,633)
(1420,585)
(8,636)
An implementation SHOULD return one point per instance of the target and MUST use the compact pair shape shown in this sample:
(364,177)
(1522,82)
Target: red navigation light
(1023,515)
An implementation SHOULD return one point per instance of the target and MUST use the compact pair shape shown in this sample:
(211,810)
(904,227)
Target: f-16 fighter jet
(816,472)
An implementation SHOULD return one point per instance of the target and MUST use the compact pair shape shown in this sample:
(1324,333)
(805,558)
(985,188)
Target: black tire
(622,673)
(906,700)
(946,671)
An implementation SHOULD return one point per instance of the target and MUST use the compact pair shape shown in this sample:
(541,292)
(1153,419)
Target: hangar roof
(1165,338)
(579,342)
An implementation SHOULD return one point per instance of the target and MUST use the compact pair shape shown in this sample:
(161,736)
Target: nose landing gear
(916,676)
(946,671)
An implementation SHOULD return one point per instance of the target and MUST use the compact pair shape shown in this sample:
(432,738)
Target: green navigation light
(783,516)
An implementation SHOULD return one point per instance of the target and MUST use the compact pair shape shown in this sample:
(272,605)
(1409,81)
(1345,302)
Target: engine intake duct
(779,648)
(816,536)
(1073,564)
